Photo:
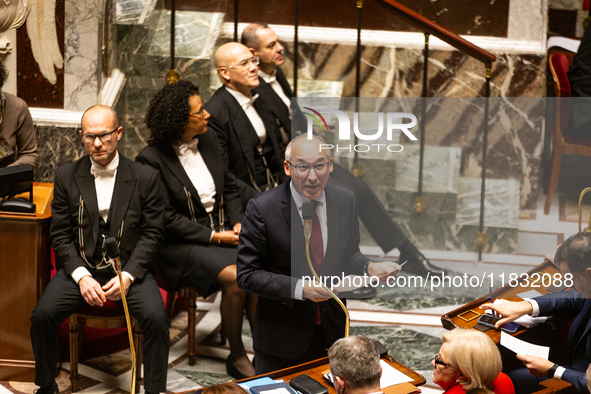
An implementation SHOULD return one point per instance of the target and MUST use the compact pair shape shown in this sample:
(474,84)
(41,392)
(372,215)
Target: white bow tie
(189,145)
(250,102)
(96,171)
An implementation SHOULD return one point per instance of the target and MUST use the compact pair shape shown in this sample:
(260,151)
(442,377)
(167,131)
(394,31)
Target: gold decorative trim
(420,205)
(467,319)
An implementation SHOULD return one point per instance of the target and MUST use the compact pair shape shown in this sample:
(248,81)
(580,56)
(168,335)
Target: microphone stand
(308,215)
(113,252)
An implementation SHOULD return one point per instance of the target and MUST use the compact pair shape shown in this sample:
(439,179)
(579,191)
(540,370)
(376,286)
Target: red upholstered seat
(558,64)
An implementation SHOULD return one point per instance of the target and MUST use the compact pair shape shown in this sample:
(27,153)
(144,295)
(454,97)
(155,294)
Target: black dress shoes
(233,371)
(51,389)
(419,265)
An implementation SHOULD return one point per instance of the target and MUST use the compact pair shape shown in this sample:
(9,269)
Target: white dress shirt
(104,183)
(322,217)
(198,173)
(271,79)
(247,105)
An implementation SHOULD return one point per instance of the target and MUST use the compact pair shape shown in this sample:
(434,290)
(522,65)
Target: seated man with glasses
(103,195)
(355,365)
(252,147)
(295,321)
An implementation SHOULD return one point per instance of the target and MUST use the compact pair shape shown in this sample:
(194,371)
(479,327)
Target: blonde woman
(469,359)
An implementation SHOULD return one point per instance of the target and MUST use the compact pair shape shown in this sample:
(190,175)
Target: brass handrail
(428,26)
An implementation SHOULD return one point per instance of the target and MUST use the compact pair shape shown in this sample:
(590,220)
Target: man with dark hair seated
(574,259)
(275,91)
(355,365)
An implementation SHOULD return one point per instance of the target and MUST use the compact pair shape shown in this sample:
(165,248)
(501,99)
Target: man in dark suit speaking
(295,321)
(274,89)
(103,195)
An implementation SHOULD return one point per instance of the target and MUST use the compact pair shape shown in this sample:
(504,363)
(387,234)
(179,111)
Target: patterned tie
(317,246)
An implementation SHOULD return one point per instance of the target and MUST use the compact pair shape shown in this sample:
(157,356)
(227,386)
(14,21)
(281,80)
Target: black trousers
(318,348)
(376,219)
(62,297)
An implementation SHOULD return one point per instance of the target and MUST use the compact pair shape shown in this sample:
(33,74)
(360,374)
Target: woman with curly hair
(205,210)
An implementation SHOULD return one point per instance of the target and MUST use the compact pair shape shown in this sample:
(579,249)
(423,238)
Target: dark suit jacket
(278,108)
(571,304)
(238,139)
(137,200)
(271,259)
(181,232)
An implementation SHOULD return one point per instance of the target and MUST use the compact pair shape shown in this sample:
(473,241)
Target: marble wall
(81,53)
(56,146)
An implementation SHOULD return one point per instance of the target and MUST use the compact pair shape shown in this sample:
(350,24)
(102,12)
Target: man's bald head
(105,113)
(236,67)
(227,54)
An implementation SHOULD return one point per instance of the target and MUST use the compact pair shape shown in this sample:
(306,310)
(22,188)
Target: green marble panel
(501,206)
(408,347)
(195,33)
(204,379)
(133,11)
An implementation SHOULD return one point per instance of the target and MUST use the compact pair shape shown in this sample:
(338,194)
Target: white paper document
(529,294)
(522,347)
(391,376)
(280,390)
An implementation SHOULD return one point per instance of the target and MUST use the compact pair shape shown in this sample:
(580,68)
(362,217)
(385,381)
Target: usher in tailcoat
(136,214)
(137,204)
(238,138)
(271,258)
(181,232)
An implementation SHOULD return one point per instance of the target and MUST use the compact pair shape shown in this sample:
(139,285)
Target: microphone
(308,215)
(113,253)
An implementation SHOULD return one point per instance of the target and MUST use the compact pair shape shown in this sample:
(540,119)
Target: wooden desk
(452,319)
(26,265)
(315,368)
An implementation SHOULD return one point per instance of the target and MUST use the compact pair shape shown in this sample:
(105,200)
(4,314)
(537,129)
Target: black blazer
(238,139)
(181,231)
(269,266)
(137,200)
(278,108)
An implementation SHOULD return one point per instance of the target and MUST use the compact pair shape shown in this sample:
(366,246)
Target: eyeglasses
(104,137)
(439,362)
(304,169)
(246,63)
(198,113)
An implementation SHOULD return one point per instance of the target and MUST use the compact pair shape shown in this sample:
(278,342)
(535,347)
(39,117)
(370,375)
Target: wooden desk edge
(418,379)
(555,385)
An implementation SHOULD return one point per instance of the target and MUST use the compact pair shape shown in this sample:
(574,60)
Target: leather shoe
(419,265)
(233,371)
(51,389)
